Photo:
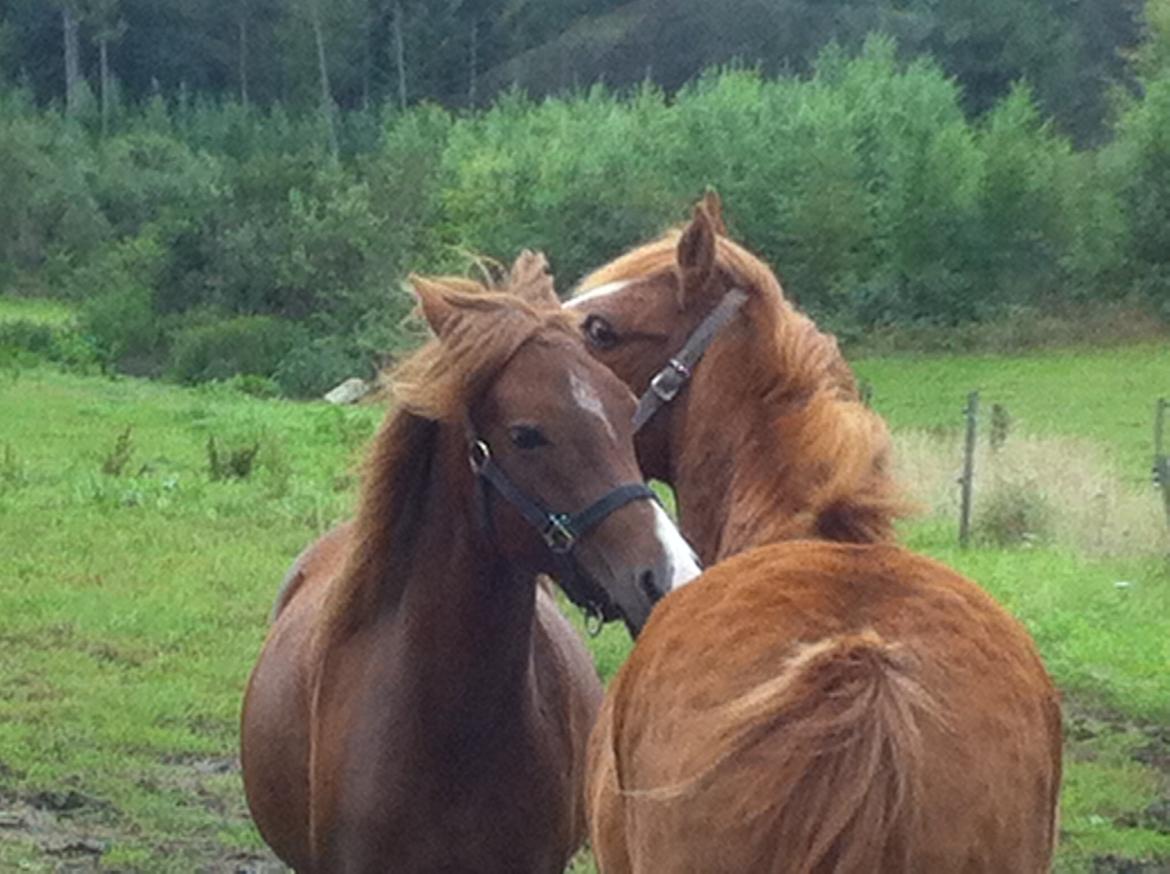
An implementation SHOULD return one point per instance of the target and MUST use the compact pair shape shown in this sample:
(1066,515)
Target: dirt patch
(67,801)
(41,820)
(1155,753)
(67,830)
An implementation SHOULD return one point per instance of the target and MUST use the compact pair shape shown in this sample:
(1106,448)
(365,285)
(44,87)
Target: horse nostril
(646,581)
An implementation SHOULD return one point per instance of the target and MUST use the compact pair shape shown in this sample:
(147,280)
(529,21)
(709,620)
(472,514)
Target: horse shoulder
(320,559)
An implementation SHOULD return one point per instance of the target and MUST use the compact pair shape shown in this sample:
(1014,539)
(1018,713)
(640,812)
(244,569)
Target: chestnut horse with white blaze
(419,704)
(821,700)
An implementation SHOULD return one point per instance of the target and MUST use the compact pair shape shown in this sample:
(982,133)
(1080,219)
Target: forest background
(235,190)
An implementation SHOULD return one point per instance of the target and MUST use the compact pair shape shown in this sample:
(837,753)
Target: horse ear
(434,299)
(712,204)
(696,255)
(531,279)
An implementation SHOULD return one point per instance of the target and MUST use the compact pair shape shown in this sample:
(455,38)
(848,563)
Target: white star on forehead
(586,398)
(595,293)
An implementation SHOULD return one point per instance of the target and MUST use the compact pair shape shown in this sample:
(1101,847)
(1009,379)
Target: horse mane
(810,391)
(433,388)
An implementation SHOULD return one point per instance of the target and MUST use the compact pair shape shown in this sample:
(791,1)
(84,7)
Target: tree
(109,27)
(71,27)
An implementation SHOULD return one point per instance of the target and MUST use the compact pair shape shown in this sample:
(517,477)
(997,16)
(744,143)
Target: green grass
(132,607)
(1106,395)
(34,309)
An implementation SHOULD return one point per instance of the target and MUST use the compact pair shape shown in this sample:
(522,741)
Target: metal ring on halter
(479,455)
(594,619)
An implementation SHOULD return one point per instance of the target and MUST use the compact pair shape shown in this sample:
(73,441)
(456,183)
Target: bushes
(252,345)
(32,341)
(311,369)
(581,177)
(877,200)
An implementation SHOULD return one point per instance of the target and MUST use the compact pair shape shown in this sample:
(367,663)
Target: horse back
(860,700)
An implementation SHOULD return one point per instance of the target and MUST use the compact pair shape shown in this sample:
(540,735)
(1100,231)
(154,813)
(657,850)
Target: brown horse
(768,439)
(420,704)
(805,705)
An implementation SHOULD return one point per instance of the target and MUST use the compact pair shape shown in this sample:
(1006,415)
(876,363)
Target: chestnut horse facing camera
(822,700)
(420,704)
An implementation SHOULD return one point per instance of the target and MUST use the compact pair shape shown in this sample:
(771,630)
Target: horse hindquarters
(605,807)
(877,714)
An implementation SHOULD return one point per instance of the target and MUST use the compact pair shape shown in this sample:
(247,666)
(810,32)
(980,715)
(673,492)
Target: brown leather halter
(671,379)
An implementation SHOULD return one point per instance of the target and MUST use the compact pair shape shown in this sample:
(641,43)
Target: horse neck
(446,610)
(771,443)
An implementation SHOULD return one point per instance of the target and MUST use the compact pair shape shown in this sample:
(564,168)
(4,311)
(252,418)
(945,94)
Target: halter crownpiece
(671,379)
(559,531)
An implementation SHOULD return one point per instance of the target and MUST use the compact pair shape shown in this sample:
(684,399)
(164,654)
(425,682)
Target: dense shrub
(253,345)
(581,178)
(30,340)
(311,369)
(31,336)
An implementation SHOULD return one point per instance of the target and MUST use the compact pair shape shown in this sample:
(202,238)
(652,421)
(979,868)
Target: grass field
(1105,395)
(134,592)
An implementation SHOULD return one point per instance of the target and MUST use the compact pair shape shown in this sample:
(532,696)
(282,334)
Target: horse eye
(527,437)
(600,333)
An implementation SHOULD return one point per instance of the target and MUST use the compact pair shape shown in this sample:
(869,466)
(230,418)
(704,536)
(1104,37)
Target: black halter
(672,378)
(560,531)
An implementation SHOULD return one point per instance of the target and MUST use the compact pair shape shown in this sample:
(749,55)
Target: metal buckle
(558,534)
(669,381)
(479,455)
(594,619)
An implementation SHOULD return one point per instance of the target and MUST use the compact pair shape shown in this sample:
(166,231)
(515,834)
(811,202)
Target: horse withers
(821,700)
(420,704)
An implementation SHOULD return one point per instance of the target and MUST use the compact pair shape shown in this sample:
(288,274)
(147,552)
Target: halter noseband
(672,378)
(560,531)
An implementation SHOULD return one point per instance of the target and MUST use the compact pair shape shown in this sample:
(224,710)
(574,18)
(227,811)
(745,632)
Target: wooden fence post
(967,480)
(1161,460)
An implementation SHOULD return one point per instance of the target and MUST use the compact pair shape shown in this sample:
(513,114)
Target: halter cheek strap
(560,531)
(672,378)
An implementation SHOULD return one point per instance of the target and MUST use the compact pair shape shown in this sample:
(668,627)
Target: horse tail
(841,778)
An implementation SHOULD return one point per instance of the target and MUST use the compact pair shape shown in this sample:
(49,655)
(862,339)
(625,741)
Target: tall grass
(1064,491)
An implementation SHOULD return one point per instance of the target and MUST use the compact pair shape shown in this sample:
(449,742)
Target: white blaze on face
(684,565)
(586,398)
(594,293)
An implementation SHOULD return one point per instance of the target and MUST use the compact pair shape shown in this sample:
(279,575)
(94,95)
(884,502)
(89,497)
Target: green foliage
(121,324)
(580,178)
(31,336)
(33,340)
(252,345)
(311,369)
(1141,164)
(49,209)
(879,201)
(120,453)
(230,462)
